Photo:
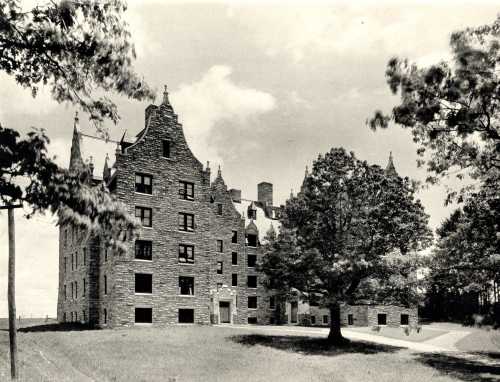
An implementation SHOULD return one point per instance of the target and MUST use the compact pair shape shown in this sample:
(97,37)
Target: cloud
(214,99)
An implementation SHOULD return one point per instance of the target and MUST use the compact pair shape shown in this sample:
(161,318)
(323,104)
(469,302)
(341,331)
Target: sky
(260,89)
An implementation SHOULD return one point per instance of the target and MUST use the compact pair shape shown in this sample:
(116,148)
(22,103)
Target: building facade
(194,258)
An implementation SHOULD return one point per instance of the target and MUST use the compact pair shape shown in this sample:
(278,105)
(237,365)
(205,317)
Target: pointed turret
(106,172)
(306,174)
(75,160)
(166,102)
(390,169)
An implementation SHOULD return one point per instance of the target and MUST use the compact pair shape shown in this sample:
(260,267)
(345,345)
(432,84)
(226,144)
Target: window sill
(186,295)
(249,287)
(143,323)
(252,308)
(142,193)
(144,260)
(181,263)
(186,231)
(142,294)
(146,227)
(234,265)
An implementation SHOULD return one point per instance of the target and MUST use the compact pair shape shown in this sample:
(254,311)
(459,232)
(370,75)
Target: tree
(77,49)
(465,265)
(452,109)
(352,233)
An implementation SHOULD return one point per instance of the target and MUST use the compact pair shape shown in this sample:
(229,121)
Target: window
(219,267)
(219,286)
(251,240)
(105,255)
(220,246)
(234,238)
(84,287)
(186,190)
(143,283)
(272,302)
(252,320)
(166,149)
(72,291)
(219,208)
(186,222)
(325,319)
(251,260)
(64,317)
(234,259)
(144,214)
(65,264)
(65,292)
(186,316)
(405,319)
(105,316)
(234,279)
(143,250)
(143,315)
(186,285)
(382,319)
(186,253)
(76,290)
(72,261)
(252,302)
(350,319)
(252,214)
(105,284)
(313,320)
(252,282)
(76,260)
(143,183)
(84,256)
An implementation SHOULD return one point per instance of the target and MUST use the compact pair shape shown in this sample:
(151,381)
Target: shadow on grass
(53,327)
(463,369)
(311,345)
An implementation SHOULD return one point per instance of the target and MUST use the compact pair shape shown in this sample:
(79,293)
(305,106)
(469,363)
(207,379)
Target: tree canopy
(352,233)
(452,109)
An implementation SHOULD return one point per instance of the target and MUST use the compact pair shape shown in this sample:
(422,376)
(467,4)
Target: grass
(49,352)
(399,333)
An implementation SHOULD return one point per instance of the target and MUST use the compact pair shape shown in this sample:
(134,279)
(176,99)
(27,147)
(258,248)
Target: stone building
(195,255)
(194,258)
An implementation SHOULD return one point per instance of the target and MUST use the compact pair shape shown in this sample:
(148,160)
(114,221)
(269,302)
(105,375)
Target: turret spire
(390,169)
(75,161)
(106,172)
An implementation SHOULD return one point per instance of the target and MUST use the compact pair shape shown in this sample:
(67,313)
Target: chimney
(149,110)
(235,195)
(265,193)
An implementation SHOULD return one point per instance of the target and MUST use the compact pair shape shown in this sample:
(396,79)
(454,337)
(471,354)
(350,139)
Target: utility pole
(11,289)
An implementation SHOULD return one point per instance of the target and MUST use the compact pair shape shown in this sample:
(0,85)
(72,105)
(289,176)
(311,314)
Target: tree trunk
(11,295)
(335,335)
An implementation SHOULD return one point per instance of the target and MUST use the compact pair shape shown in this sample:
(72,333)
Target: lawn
(399,333)
(204,353)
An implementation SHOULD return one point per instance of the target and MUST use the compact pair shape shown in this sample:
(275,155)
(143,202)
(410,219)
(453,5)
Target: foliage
(44,186)
(352,233)
(74,47)
(452,109)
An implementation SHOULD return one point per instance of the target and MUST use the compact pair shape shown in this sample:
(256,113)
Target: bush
(406,330)
(418,328)
(376,328)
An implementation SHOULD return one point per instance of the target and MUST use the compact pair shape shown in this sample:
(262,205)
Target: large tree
(79,50)
(353,232)
(452,109)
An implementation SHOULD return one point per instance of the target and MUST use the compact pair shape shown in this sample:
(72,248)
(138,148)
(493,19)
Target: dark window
(105,316)
(84,256)
(84,287)
(252,320)
(143,183)
(251,240)
(143,250)
(219,285)
(166,149)
(220,246)
(219,208)
(219,267)
(72,261)
(65,292)
(144,215)
(313,320)
(382,319)
(143,315)
(405,319)
(186,316)
(186,190)
(105,254)
(252,282)
(76,290)
(272,302)
(186,253)
(186,222)
(76,260)
(234,238)
(251,260)
(143,283)
(252,302)
(350,319)
(65,264)
(234,279)
(105,284)
(186,285)
(325,319)
(252,214)
(234,258)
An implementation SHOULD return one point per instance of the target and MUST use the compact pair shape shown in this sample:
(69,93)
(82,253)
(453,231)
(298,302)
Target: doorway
(294,308)
(224,312)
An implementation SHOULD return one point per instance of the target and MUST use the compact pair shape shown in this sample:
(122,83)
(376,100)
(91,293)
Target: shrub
(376,328)
(406,330)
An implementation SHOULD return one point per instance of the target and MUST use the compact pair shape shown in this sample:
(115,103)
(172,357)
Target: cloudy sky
(260,89)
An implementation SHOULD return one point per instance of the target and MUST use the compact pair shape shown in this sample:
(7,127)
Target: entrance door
(224,312)
(294,309)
